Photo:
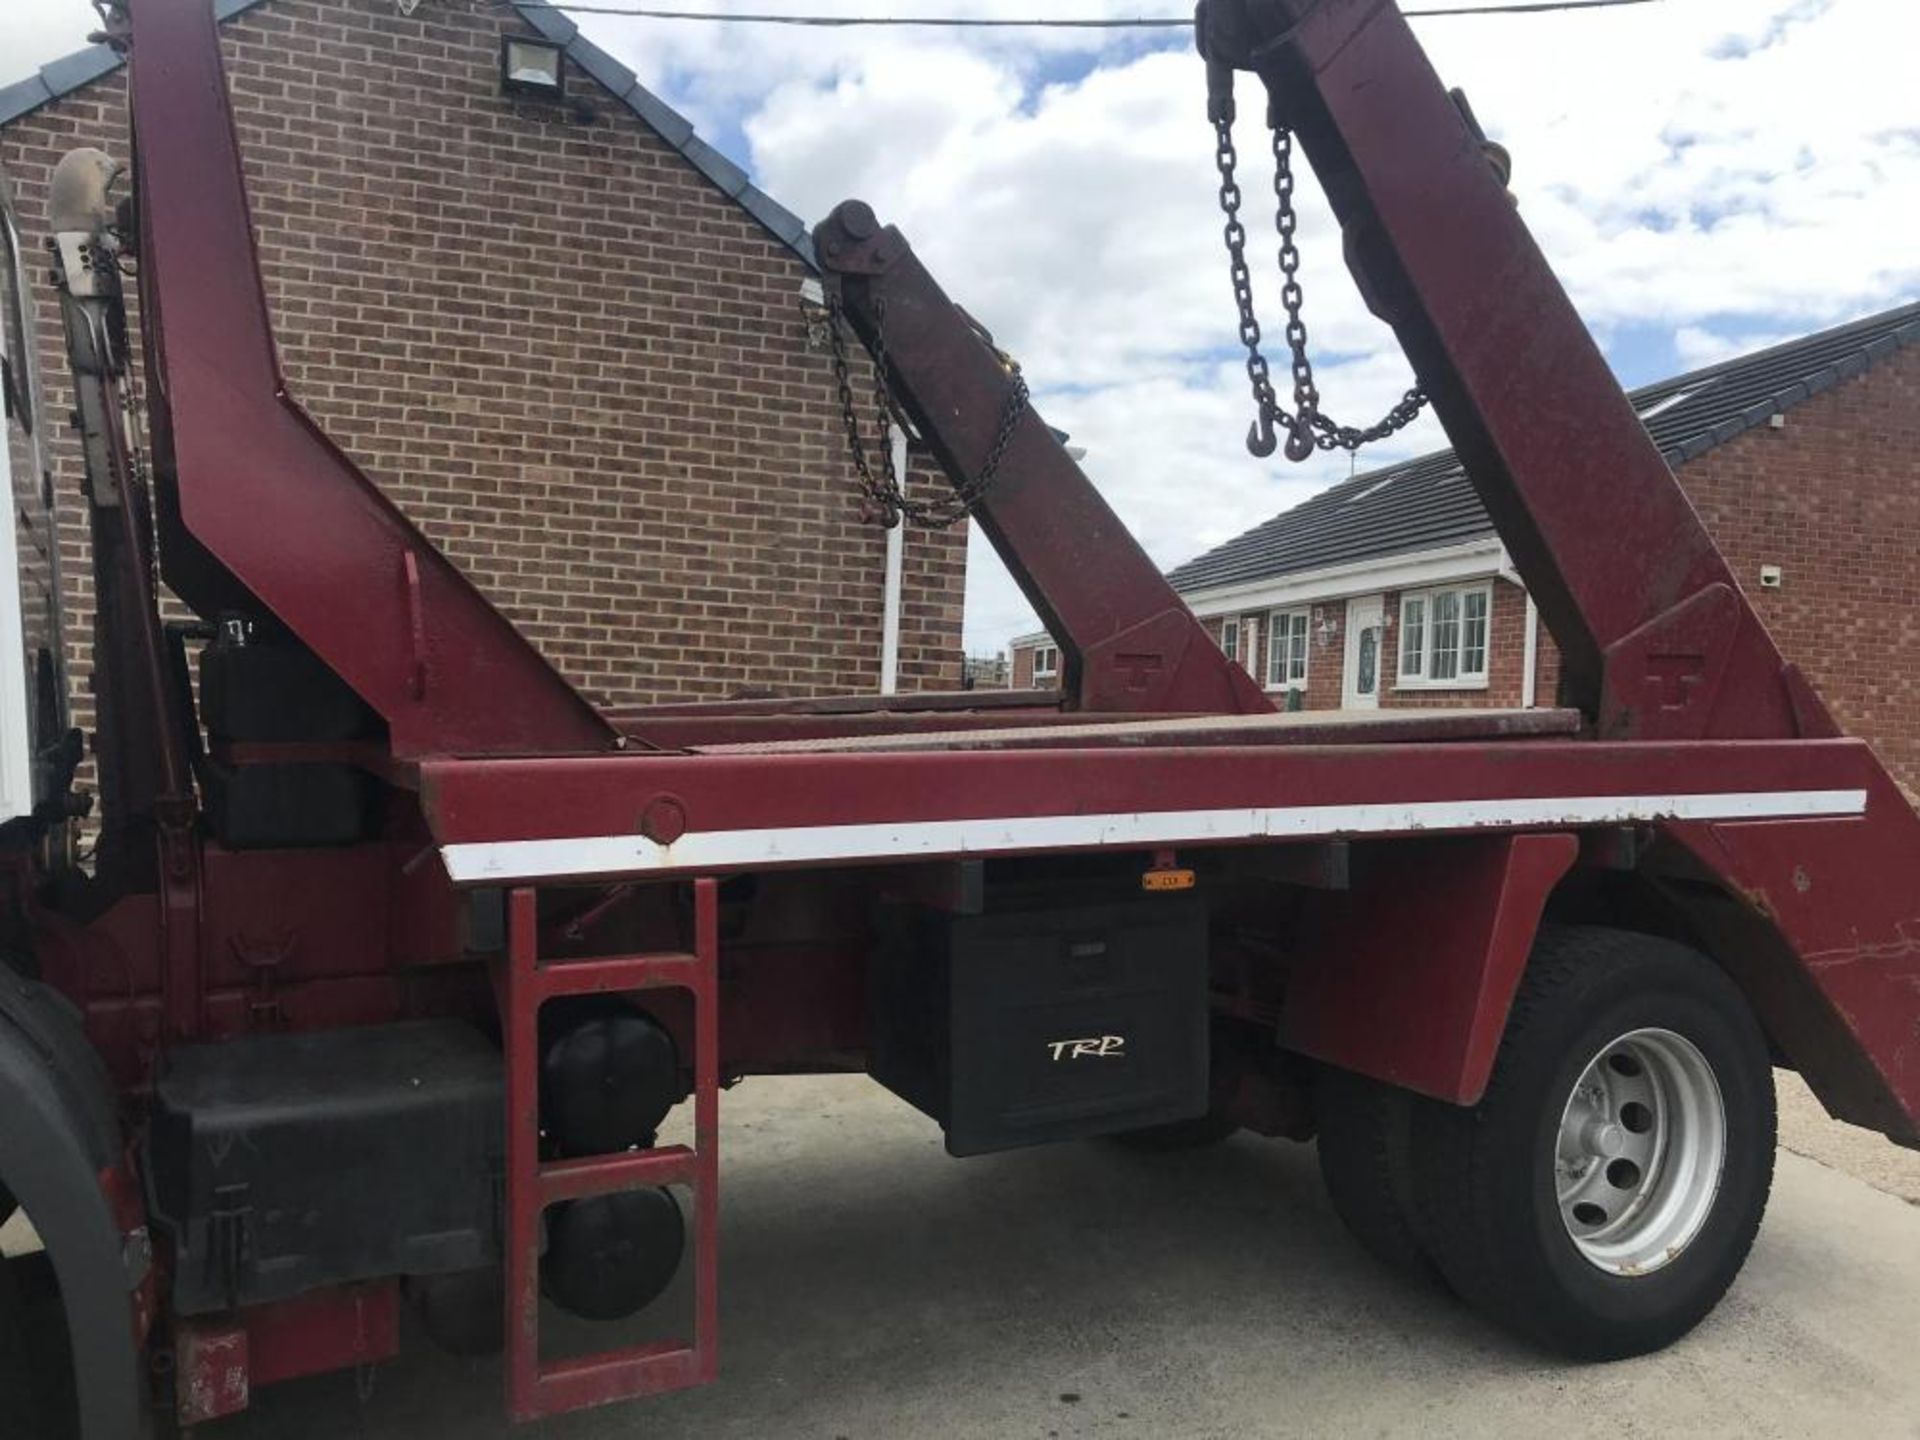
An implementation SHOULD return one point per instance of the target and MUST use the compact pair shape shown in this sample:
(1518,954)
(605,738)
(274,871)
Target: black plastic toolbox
(1031,1025)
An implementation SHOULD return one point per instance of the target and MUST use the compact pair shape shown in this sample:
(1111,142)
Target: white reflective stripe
(479,862)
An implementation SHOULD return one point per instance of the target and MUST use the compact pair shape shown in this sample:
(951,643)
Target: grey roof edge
(670,125)
(1847,367)
(1691,379)
(82,67)
(79,68)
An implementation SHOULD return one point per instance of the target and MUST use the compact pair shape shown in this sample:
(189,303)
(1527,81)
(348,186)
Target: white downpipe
(1530,657)
(896,568)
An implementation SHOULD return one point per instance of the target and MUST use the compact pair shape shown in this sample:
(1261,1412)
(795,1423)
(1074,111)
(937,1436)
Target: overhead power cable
(963,22)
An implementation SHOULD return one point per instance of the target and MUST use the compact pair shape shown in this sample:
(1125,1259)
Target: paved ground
(876,1289)
(1806,1130)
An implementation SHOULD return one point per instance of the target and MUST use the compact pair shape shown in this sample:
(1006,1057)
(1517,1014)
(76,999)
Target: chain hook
(1261,441)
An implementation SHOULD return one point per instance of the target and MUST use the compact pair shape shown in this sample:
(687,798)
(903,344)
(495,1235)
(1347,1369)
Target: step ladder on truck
(398,971)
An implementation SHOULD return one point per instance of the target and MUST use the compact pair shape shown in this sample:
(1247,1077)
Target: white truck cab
(33,705)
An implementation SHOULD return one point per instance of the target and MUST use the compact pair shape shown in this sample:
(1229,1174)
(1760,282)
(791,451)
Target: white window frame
(1230,637)
(1049,671)
(1283,628)
(1421,631)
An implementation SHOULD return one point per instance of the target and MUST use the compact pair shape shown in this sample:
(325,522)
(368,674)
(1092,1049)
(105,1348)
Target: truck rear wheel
(24,1410)
(1606,1190)
(1365,1139)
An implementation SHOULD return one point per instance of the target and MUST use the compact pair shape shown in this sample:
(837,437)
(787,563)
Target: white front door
(1366,629)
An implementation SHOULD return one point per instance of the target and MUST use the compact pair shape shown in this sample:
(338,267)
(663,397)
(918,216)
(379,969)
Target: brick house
(1392,588)
(565,334)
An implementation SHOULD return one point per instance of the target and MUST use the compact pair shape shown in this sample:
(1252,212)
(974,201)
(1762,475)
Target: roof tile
(70,72)
(715,166)
(667,122)
(602,67)
(22,97)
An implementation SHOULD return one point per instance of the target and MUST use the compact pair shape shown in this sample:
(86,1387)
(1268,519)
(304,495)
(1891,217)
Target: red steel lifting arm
(259,511)
(1129,642)
(1656,638)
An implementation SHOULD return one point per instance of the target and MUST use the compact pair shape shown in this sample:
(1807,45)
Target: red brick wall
(1833,498)
(1023,667)
(579,367)
(1546,686)
(1326,656)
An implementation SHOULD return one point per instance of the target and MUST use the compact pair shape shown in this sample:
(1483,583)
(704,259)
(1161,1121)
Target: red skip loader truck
(394,956)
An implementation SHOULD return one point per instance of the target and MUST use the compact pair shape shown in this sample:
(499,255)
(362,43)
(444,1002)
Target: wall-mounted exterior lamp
(531,67)
(813,314)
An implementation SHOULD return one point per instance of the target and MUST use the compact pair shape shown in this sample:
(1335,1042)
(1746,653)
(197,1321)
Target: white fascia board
(1473,560)
(1027,642)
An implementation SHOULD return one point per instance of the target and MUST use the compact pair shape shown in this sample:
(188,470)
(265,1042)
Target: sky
(1706,176)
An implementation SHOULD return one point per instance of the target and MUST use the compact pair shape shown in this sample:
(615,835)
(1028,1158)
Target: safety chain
(887,502)
(132,392)
(1307,428)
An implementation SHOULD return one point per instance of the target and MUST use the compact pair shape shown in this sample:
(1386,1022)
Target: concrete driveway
(875,1288)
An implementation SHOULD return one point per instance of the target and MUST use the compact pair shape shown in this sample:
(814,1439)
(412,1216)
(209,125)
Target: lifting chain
(1307,429)
(887,502)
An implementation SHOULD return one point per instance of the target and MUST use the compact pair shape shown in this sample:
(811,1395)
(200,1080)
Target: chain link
(887,501)
(1307,429)
(1260,438)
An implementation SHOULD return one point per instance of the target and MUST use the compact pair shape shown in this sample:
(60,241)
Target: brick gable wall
(1833,498)
(578,366)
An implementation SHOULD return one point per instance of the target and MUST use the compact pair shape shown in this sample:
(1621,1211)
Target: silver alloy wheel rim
(1642,1142)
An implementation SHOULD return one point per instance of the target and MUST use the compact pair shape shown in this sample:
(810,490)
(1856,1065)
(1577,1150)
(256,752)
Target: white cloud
(1705,176)
(32,32)
(1699,346)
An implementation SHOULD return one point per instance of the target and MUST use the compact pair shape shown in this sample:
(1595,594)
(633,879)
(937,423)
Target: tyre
(1366,1162)
(24,1407)
(1606,1190)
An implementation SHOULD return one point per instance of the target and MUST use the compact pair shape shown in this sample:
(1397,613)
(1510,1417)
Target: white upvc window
(1046,665)
(1444,637)
(1287,632)
(1230,637)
